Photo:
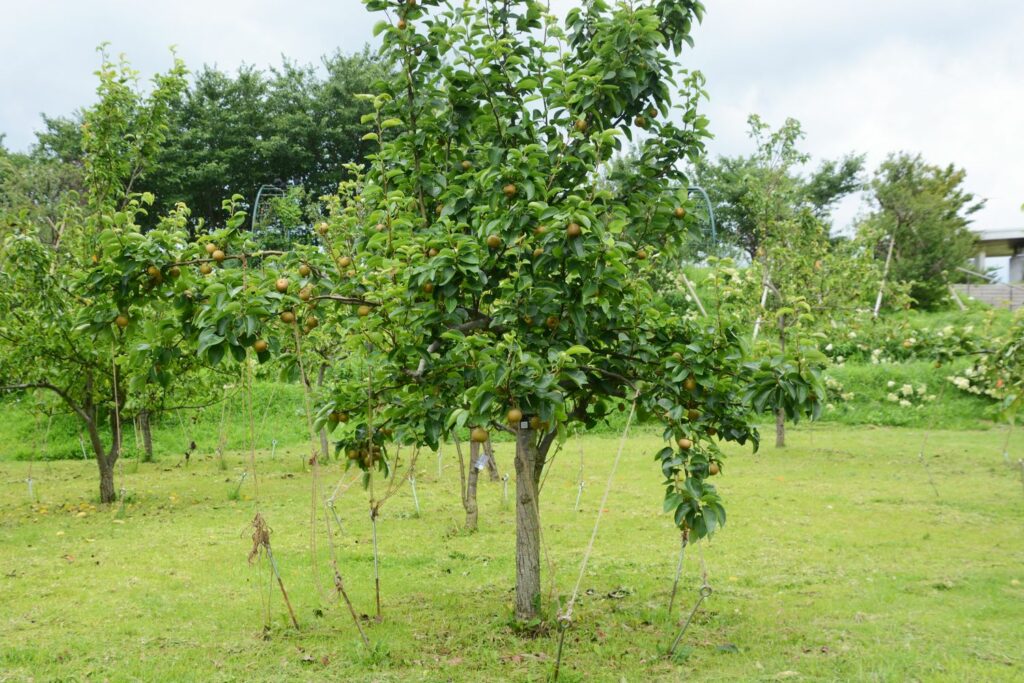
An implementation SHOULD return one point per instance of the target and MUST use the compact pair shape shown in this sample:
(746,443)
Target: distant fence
(995,295)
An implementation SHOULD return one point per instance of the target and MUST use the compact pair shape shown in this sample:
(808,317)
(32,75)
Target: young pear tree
(56,333)
(500,279)
(479,272)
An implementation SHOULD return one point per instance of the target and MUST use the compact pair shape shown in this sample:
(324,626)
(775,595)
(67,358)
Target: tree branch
(57,390)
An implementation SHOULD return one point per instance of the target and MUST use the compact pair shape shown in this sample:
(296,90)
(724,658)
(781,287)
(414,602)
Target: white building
(1001,243)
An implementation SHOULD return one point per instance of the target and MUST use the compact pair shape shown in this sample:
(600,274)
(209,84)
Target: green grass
(278,414)
(951,409)
(838,563)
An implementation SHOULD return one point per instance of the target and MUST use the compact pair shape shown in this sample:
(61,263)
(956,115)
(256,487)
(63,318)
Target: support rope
(565,618)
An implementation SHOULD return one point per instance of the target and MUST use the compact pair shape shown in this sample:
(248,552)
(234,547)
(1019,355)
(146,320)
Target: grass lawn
(839,562)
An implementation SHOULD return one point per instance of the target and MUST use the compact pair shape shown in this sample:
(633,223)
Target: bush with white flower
(908,395)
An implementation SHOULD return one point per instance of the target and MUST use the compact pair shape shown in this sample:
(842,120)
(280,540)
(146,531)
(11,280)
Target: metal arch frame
(711,209)
(277,192)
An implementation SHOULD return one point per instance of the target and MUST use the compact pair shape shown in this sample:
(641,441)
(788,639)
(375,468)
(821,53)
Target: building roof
(1000,242)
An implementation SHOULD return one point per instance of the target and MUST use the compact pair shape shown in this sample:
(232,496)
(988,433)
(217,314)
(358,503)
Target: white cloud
(940,78)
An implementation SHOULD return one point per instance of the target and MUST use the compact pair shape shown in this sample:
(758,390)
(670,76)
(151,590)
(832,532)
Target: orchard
(513,275)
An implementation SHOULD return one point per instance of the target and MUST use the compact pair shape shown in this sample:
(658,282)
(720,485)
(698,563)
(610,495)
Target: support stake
(280,583)
(679,570)
(376,562)
(415,498)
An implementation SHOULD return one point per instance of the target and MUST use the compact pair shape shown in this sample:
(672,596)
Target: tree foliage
(924,210)
(753,194)
(231,133)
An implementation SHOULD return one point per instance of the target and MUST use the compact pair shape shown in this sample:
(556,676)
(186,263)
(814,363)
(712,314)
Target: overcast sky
(940,77)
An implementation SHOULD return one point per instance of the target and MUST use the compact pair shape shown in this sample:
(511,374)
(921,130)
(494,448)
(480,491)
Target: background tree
(751,193)
(37,190)
(922,212)
(294,125)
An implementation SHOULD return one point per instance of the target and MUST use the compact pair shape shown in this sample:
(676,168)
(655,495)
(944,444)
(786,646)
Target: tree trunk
(104,460)
(527,528)
(472,512)
(492,464)
(147,436)
(107,493)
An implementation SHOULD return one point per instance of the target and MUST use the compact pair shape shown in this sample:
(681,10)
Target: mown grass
(838,563)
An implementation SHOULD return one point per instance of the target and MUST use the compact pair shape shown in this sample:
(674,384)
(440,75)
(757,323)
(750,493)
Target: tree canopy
(924,212)
(293,125)
(753,193)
